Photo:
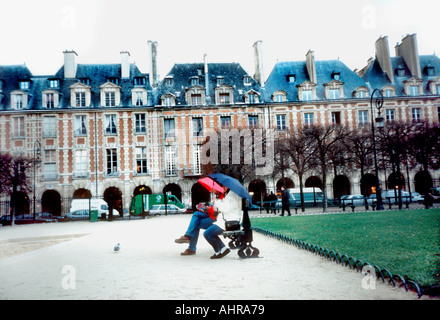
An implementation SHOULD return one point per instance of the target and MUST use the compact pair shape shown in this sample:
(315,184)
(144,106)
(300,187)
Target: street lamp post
(380,123)
(37,150)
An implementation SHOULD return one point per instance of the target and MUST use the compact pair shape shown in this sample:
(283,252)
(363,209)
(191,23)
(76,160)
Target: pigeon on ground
(117,247)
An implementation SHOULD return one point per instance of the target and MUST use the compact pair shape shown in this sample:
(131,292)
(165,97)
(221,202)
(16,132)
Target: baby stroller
(241,236)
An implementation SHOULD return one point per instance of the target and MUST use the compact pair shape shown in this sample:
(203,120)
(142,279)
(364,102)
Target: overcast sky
(36,32)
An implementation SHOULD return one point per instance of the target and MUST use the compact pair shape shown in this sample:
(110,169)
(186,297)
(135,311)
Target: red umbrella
(210,184)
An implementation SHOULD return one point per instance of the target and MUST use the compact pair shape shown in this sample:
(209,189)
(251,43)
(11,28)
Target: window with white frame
(54,83)
(110,99)
(141,160)
(80,128)
(50,166)
(24,85)
(110,124)
(80,95)
(140,123)
(18,130)
(169,128)
(333,93)
(170,161)
(196,99)
(225,122)
(413,91)
(112,161)
(168,100)
(197,126)
(281,122)
(389,115)
(363,117)
(196,167)
(416,114)
(306,95)
(308,119)
(49,126)
(18,100)
(253,121)
(247,80)
(336,117)
(80,99)
(80,166)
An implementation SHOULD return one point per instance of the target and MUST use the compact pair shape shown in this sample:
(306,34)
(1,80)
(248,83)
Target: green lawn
(405,242)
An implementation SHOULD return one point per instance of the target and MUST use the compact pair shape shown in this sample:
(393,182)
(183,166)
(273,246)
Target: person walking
(285,204)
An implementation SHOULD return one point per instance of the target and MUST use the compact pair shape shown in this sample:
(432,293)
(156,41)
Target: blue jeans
(212,236)
(199,220)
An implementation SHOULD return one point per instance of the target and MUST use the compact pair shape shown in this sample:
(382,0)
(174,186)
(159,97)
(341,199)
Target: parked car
(78,215)
(417,197)
(50,217)
(356,200)
(435,193)
(24,219)
(159,209)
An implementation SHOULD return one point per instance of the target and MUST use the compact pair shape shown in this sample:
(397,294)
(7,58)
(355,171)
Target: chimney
(258,60)
(409,51)
(125,64)
(311,66)
(206,71)
(70,64)
(384,58)
(152,50)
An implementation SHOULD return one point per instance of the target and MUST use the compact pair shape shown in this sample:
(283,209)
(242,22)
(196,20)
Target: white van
(392,196)
(95,204)
(312,196)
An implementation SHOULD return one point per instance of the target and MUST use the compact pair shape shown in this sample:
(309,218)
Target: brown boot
(188,252)
(183,239)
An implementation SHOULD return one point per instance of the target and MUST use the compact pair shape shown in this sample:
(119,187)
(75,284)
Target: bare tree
(13,177)
(324,141)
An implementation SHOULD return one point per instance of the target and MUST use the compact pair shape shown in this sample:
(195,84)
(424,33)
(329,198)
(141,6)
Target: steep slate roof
(277,80)
(378,79)
(10,77)
(232,73)
(98,75)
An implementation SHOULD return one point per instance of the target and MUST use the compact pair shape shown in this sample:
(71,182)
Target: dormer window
(279,96)
(400,71)
(80,95)
(247,80)
(291,78)
(110,95)
(306,91)
(194,81)
(139,97)
(139,81)
(430,71)
(113,80)
(224,94)
(334,89)
(168,100)
(251,97)
(413,87)
(54,83)
(19,100)
(220,80)
(50,99)
(85,81)
(336,76)
(169,81)
(24,85)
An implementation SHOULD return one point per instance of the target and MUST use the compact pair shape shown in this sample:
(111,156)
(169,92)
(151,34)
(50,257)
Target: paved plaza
(75,260)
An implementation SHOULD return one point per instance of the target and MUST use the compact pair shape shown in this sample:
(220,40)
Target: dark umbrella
(232,184)
(235,186)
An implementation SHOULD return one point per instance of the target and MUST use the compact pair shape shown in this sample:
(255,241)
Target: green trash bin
(93,215)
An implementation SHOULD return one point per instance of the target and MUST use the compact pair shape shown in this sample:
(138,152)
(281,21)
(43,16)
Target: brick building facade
(109,130)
